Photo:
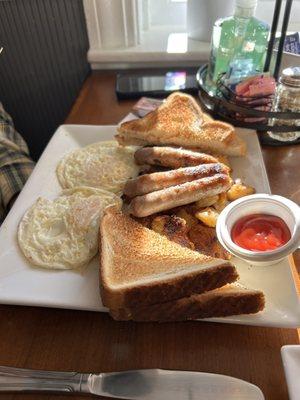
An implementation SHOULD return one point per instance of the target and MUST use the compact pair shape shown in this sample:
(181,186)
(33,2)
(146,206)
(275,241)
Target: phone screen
(134,86)
(175,80)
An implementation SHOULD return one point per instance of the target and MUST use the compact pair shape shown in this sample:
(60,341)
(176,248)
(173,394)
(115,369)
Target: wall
(43,64)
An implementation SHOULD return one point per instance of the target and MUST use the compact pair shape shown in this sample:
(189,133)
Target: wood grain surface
(87,341)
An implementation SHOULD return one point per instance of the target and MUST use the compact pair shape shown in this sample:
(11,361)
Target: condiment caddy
(284,114)
(272,105)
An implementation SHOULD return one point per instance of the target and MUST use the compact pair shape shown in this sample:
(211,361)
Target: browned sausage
(172,157)
(159,180)
(189,192)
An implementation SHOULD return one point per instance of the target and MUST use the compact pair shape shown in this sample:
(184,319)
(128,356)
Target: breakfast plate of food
(123,219)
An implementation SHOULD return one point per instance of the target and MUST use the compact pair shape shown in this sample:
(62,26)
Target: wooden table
(88,341)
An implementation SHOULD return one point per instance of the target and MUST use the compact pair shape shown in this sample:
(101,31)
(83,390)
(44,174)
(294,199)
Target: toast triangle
(139,266)
(179,121)
(232,299)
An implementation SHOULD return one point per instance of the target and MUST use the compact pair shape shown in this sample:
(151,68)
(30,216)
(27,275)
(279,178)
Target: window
(131,32)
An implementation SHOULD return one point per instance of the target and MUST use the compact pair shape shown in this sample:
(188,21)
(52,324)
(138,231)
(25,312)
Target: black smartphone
(135,85)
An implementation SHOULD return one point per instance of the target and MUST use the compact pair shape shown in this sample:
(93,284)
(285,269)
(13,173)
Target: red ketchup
(260,232)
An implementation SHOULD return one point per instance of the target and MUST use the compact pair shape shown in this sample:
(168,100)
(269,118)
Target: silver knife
(144,384)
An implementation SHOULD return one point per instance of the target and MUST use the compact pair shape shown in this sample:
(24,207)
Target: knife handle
(23,380)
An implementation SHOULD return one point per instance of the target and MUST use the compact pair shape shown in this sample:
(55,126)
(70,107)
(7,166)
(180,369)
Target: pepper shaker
(287,99)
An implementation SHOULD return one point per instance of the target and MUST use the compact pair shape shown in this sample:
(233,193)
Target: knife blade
(144,384)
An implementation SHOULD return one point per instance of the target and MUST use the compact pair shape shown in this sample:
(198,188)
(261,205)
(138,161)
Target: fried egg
(63,233)
(103,165)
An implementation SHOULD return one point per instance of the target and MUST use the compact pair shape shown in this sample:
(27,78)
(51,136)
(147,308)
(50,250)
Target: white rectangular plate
(23,284)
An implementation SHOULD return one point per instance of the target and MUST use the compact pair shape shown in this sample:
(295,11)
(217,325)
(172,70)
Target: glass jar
(287,99)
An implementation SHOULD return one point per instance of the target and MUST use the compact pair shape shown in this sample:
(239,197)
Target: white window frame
(121,46)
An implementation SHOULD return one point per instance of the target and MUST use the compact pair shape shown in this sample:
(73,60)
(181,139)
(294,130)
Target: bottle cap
(291,76)
(246,3)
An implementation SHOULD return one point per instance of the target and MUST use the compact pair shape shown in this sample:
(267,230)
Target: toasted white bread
(179,121)
(232,299)
(140,267)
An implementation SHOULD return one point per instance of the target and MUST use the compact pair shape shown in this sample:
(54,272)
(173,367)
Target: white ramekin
(260,204)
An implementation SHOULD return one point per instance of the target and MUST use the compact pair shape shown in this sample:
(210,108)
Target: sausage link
(189,192)
(159,180)
(172,157)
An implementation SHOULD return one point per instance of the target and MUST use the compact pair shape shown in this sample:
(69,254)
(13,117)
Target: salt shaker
(287,99)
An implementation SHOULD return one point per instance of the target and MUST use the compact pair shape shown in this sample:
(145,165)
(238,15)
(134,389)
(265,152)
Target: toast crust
(222,302)
(140,266)
(179,121)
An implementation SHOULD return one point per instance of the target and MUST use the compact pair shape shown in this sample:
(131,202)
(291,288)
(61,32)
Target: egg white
(103,165)
(63,233)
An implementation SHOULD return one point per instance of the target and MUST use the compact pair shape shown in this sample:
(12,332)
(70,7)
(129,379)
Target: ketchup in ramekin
(260,232)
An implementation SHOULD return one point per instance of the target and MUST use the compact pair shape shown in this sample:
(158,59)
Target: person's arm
(15,163)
